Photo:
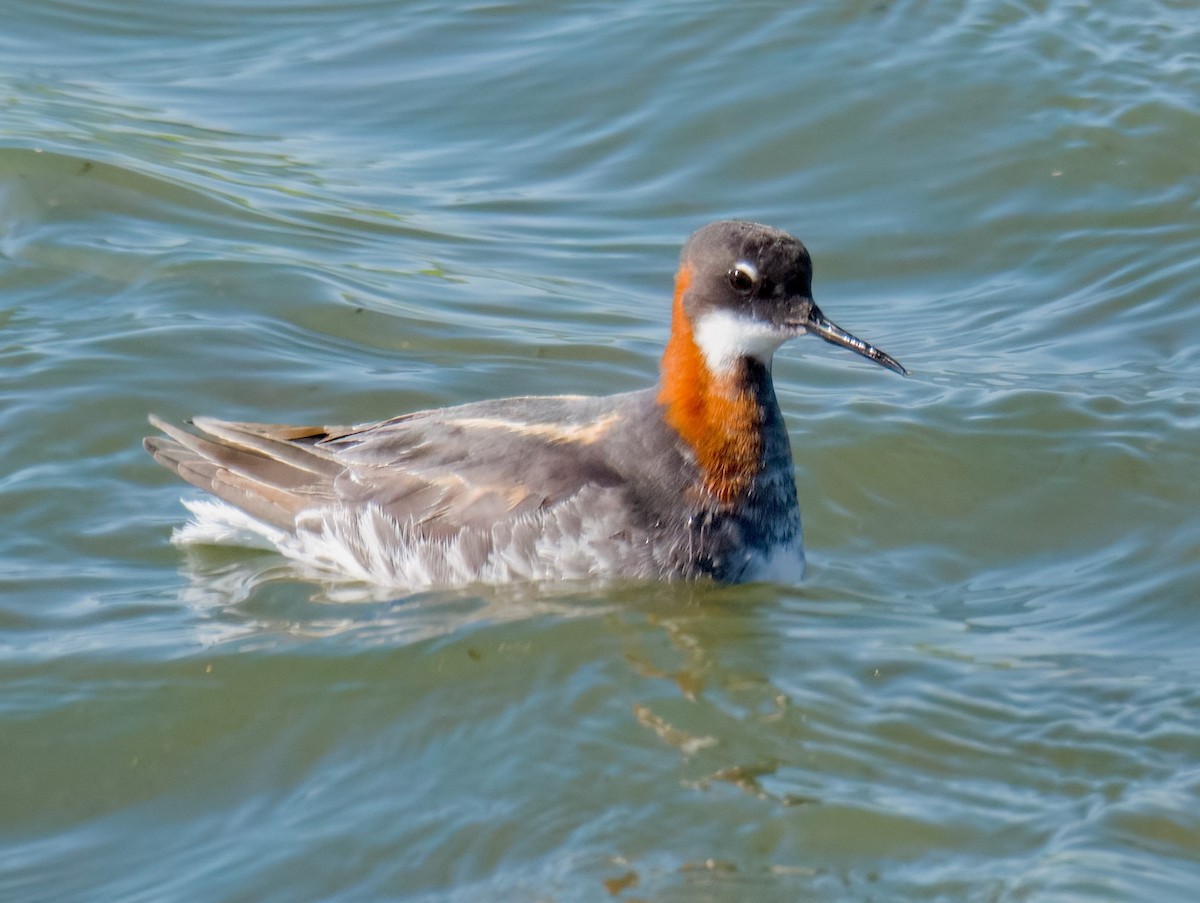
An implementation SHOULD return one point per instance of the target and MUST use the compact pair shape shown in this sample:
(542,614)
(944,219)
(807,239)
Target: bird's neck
(720,416)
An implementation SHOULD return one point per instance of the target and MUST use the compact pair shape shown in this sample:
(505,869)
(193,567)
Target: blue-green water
(988,688)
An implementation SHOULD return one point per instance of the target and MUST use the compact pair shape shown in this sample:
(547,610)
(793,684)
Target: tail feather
(268,478)
(280,443)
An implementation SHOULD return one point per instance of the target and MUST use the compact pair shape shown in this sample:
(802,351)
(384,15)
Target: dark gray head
(747,289)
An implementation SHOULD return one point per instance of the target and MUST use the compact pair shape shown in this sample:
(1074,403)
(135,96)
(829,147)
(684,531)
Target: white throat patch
(724,338)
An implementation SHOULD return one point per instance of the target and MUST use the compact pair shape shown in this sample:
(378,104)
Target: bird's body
(691,478)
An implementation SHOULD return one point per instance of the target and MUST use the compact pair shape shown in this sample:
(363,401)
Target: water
(986,689)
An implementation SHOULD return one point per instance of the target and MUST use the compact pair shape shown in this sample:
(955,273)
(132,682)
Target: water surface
(986,689)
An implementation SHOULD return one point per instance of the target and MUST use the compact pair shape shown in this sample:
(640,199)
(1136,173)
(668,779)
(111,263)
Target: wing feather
(440,471)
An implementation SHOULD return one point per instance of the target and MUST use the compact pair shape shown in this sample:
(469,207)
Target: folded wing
(439,471)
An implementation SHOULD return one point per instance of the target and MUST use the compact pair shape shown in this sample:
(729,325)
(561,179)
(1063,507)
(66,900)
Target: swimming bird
(692,478)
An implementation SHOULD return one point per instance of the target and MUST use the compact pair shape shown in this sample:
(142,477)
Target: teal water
(988,687)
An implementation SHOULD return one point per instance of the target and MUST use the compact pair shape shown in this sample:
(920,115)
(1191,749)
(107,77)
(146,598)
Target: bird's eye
(743,277)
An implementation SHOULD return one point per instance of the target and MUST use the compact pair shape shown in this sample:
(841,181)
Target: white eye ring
(744,276)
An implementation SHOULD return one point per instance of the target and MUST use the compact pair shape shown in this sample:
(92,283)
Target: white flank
(369,545)
(724,338)
(217,523)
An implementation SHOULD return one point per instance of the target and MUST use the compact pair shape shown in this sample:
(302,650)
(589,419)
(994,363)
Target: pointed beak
(818,325)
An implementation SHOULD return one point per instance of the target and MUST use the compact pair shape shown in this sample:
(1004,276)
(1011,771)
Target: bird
(689,479)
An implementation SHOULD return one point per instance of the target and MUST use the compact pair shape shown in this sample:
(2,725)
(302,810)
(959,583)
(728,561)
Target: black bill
(818,325)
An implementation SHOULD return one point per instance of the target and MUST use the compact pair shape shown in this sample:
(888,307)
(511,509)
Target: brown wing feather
(470,466)
(271,483)
(281,444)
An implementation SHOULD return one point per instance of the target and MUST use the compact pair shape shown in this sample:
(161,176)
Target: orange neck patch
(717,415)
